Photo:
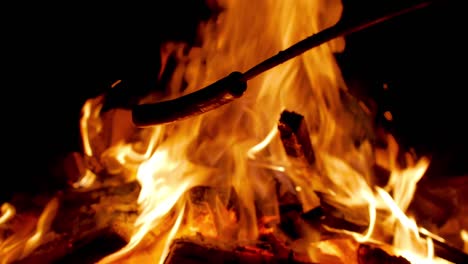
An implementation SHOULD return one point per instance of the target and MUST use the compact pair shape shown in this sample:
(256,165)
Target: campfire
(294,171)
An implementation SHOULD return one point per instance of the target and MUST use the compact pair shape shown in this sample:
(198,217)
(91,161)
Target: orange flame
(8,211)
(464,237)
(236,149)
(29,235)
(238,145)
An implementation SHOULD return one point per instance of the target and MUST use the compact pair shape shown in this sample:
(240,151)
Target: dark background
(56,57)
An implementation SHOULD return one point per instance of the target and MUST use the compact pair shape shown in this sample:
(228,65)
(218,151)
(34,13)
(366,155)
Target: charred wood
(349,251)
(83,217)
(368,254)
(327,219)
(201,250)
(446,251)
(296,141)
(295,137)
(198,249)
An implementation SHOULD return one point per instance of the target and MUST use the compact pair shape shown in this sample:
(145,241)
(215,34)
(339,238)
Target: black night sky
(57,57)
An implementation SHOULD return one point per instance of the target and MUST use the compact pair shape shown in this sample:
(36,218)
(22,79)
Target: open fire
(295,143)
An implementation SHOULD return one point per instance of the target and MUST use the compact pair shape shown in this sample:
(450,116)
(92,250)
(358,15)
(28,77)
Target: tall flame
(213,149)
(236,148)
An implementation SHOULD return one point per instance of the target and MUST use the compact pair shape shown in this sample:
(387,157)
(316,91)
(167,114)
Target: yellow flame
(464,237)
(408,229)
(236,150)
(171,235)
(164,178)
(237,146)
(24,242)
(86,180)
(90,122)
(8,211)
(237,141)
(90,126)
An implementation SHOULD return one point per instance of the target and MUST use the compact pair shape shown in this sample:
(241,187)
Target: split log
(296,142)
(295,137)
(107,213)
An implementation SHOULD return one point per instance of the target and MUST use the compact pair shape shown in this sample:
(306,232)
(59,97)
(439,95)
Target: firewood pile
(92,223)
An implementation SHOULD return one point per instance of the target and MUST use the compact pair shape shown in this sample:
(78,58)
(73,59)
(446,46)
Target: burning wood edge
(86,216)
(295,137)
(203,250)
(447,251)
(194,250)
(109,212)
(296,142)
(441,248)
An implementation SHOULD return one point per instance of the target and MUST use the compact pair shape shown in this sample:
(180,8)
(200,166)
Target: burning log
(368,254)
(296,142)
(295,137)
(84,217)
(347,250)
(196,250)
(105,207)
(199,249)
(332,217)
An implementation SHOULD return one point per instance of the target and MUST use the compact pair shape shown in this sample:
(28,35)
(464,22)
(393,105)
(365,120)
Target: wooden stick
(234,85)
(338,30)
